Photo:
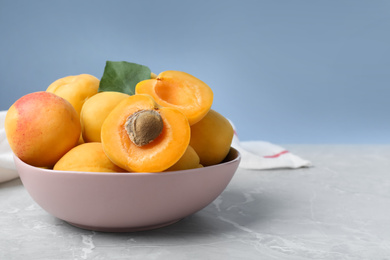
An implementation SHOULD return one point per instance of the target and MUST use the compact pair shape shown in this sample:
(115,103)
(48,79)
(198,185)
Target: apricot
(179,90)
(41,127)
(139,136)
(94,112)
(87,157)
(211,138)
(76,89)
(189,160)
(153,75)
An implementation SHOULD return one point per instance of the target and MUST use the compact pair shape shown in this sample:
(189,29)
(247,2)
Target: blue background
(282,71)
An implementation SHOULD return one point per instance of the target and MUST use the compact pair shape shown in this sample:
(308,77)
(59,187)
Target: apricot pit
(144,126)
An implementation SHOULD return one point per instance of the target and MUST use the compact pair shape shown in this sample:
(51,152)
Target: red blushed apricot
(179,90)
(140,137)
(41,127)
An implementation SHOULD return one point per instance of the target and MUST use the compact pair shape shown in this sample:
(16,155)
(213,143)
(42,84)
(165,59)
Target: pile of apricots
(167,125)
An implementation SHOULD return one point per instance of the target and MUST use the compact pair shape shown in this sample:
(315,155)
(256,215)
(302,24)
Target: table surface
(337,209)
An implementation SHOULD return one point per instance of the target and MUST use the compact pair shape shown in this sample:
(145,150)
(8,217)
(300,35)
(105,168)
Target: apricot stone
(41,127)
(144,126)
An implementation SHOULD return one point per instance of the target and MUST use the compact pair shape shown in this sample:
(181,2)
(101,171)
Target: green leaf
(123,76)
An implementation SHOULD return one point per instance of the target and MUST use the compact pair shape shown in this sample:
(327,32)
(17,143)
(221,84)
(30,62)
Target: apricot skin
(41,127)
(189,160)
(179,90)
(76,89)
(153,75)
(87,157)
(94,112)
(211,138)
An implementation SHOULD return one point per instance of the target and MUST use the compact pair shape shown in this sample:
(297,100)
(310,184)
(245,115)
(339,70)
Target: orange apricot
(87,157)
(189,160)
(94,112)
(179,90)
(41,127)
(139,136)
(76,89)
(211,138)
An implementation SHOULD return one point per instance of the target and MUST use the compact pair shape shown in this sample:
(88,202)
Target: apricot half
(179,90)
(139,136)
(41,127)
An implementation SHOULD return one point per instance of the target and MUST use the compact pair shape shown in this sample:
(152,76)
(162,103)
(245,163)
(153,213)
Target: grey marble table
(337,209)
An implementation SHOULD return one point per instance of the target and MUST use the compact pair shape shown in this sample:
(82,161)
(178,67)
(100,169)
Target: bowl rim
(236,159)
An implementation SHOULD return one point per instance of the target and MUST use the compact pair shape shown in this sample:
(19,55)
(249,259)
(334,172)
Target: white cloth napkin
(255,155)
(7,166)
(260,155)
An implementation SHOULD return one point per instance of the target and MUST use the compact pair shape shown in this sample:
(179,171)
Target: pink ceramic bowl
(123,202)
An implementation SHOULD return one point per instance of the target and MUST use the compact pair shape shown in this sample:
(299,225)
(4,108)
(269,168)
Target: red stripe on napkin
(276,155)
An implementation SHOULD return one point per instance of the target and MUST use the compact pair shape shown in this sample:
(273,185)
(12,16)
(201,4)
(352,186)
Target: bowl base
(123,229)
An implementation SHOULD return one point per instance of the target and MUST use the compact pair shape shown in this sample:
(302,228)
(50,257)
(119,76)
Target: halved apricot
(141,137)
(179,90)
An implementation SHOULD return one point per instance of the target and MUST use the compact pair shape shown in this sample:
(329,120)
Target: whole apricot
(94,112)
(180,90)
(41,127)
(139,136)
(189,160)
(153,75)
(87,157)
(76,89)
(211,138)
